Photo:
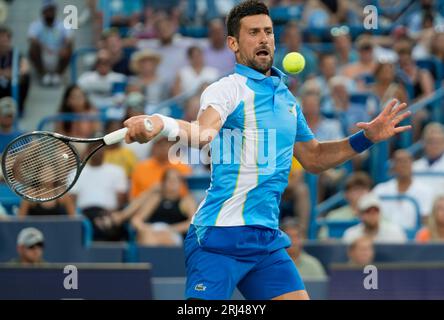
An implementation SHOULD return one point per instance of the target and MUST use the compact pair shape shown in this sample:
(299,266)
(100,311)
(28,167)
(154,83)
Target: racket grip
(119,135)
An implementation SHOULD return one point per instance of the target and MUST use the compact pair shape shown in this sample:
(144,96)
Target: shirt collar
(256,75)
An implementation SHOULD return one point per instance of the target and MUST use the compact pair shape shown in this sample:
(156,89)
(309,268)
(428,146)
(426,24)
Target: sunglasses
(37,245)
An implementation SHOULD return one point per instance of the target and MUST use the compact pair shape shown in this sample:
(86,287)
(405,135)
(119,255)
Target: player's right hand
(137,130)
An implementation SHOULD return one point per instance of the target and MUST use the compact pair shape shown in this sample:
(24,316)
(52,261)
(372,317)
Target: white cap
(369,200)
(29,237)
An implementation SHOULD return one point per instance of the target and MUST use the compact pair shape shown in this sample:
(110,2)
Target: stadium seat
(64,237)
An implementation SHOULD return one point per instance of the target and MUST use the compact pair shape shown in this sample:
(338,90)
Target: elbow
(313,167)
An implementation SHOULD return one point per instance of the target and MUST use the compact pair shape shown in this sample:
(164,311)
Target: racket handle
(119,135)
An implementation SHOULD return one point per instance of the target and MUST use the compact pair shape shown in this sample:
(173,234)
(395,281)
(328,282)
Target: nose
(263,38)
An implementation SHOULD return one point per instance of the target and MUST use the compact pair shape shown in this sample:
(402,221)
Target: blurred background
(81,67)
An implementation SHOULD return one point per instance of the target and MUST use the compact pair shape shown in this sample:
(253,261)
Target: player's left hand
(384,126)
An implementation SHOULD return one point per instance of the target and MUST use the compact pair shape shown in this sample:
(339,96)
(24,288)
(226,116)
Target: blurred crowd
(158,56)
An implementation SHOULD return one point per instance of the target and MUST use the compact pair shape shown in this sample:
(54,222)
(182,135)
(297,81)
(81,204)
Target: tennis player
(234,238)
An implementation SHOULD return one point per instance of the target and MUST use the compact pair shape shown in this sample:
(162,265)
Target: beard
(260,66)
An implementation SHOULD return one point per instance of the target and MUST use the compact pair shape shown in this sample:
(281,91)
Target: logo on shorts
(200,287)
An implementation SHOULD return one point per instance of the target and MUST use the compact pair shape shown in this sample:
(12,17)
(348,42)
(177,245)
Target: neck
(404,183)
(197,67)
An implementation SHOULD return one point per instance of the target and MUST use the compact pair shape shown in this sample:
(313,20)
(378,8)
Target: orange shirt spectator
(149,173)
(434,231)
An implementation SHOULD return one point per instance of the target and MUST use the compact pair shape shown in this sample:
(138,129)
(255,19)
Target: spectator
(433,158)
(361,252)
(323,128)
(120,55)
(148,173)
(344,52)
(403,212)
(145,29)
(366,63)
(308,266)
(101,189)
(434,231)
(437,45)
(6,57)
(147,79)
(58,207)
(385,86)
(51,45)
(30,244)
(338,103)
(357,185)
(98,84)
(193,76)
(421,80)
(171,47)
(8,129)
(372,225)
(327,67)
(291,40)
(118,154)
(161,216)
(217,54)
(428,9)
(75,102)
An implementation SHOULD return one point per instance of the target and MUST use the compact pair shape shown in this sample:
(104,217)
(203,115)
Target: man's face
(402,164)
(216,34)
(370,217)
(49,15)
(363,253)
(434,145)
(255,44)
(32,254)
(328,66)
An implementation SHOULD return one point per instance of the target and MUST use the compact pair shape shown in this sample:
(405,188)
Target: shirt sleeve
(220,95)
(304,132)
(34,30)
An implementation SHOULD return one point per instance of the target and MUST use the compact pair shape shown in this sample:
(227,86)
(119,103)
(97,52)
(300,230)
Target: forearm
(194,134)
(334,153)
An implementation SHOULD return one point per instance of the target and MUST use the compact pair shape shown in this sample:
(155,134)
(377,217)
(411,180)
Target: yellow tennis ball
(293,62)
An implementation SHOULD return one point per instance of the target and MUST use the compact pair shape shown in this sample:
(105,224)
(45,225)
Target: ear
(232,44)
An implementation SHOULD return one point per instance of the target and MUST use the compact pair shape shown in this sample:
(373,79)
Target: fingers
(389,107)
(403,129)
(399,108)
(401,118)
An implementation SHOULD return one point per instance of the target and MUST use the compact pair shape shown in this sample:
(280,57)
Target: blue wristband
(359,142)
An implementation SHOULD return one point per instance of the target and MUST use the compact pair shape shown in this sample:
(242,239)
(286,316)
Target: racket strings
(40,166)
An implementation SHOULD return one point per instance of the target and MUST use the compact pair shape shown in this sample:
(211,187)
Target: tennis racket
(42,166)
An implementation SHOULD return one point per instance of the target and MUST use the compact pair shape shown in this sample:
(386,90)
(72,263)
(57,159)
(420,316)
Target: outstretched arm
(196,133)
(318,156)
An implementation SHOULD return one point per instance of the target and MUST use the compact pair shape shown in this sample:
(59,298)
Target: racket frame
(65,139)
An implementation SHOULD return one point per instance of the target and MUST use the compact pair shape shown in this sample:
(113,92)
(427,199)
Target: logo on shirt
(292,110)
(200,287)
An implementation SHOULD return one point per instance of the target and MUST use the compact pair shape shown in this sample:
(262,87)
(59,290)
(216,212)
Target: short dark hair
(242,10)
(358,179)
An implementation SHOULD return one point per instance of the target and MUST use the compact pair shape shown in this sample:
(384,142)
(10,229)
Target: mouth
(262,53)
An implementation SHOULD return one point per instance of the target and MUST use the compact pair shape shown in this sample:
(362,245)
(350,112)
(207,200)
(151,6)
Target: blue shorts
(253,258)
